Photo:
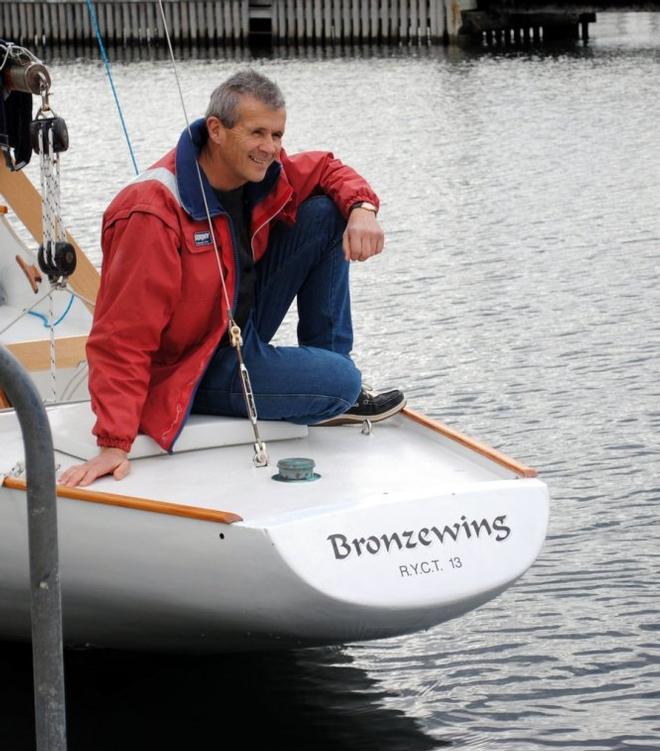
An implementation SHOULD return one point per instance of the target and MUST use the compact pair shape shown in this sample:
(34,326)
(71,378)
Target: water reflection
(315,698)
(239,53)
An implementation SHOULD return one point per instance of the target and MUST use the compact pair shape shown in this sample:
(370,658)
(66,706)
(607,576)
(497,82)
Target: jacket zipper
(235,301)
(263,224)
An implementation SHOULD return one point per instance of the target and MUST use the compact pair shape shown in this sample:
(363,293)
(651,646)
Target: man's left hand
(363,236)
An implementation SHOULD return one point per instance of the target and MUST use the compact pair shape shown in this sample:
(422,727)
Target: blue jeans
(316,380)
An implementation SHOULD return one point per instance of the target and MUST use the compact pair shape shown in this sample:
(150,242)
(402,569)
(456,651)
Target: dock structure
(238,21)
(128,22)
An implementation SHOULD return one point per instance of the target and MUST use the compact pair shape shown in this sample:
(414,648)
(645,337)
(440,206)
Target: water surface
(518,301)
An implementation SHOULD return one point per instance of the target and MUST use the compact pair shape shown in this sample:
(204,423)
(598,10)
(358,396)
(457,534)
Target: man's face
(251,146)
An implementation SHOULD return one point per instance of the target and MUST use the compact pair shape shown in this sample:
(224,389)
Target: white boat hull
(346,571)
(408,527)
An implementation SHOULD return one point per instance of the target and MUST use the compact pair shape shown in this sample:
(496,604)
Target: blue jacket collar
(187,152)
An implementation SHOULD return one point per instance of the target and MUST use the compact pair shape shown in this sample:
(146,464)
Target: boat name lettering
(409,539)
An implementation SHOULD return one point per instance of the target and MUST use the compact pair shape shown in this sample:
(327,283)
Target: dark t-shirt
(233,202)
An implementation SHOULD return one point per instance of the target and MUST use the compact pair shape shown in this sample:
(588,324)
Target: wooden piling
(327,21)
(108,32)
(220,25)
(413,20)
(38,23)
(27,22)
(118,22)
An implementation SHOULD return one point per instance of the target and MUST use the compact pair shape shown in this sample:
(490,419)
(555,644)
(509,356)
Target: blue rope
(106,62)
(45,320)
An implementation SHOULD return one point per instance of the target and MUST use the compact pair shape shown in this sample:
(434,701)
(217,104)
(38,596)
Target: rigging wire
(199,172)
(260,452)
(76,380)
(106,62)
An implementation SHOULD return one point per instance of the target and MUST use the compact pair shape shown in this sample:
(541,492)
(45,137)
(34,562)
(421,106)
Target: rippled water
(518,301)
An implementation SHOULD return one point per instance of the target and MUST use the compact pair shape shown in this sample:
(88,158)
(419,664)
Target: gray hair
(247,82)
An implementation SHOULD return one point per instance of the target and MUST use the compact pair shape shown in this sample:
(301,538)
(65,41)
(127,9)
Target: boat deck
(30,328)
(356,469)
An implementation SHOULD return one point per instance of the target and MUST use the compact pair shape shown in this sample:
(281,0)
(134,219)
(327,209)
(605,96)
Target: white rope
(52,226)
(18,53)
(199,173)
(7,53)
(53,363)
(42,176)
(52,231)
(51,216)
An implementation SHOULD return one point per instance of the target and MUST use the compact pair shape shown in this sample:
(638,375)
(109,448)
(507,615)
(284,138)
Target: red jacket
(160,312)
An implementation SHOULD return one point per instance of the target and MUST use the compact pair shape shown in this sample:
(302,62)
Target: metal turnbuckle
(260,458)
(235,338)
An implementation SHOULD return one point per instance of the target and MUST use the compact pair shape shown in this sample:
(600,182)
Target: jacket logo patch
(202,238)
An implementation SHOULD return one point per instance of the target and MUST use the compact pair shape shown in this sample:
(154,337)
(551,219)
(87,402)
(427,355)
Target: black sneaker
(370,406)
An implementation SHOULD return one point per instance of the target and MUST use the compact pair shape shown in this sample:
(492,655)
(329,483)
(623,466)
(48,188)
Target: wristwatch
(364,205)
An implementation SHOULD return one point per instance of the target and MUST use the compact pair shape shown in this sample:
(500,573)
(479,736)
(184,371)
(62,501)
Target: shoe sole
(347,419)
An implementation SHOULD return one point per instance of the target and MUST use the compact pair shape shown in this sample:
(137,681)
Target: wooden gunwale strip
(25,202)
(479,448)
(138,504)
(35,354)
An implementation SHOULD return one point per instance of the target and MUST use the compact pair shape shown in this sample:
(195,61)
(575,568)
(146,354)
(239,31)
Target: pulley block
(44,125)
(57,260)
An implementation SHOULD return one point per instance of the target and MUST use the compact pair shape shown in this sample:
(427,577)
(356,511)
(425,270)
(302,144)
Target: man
(284,227)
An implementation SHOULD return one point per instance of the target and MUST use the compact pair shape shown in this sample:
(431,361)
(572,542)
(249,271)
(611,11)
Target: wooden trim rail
(138,504)
(35,355)
(25,202)
(480,448)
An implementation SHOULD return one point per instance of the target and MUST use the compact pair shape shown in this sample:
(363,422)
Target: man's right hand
(109,461)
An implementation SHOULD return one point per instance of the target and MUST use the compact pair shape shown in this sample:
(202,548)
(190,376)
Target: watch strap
(365,205)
